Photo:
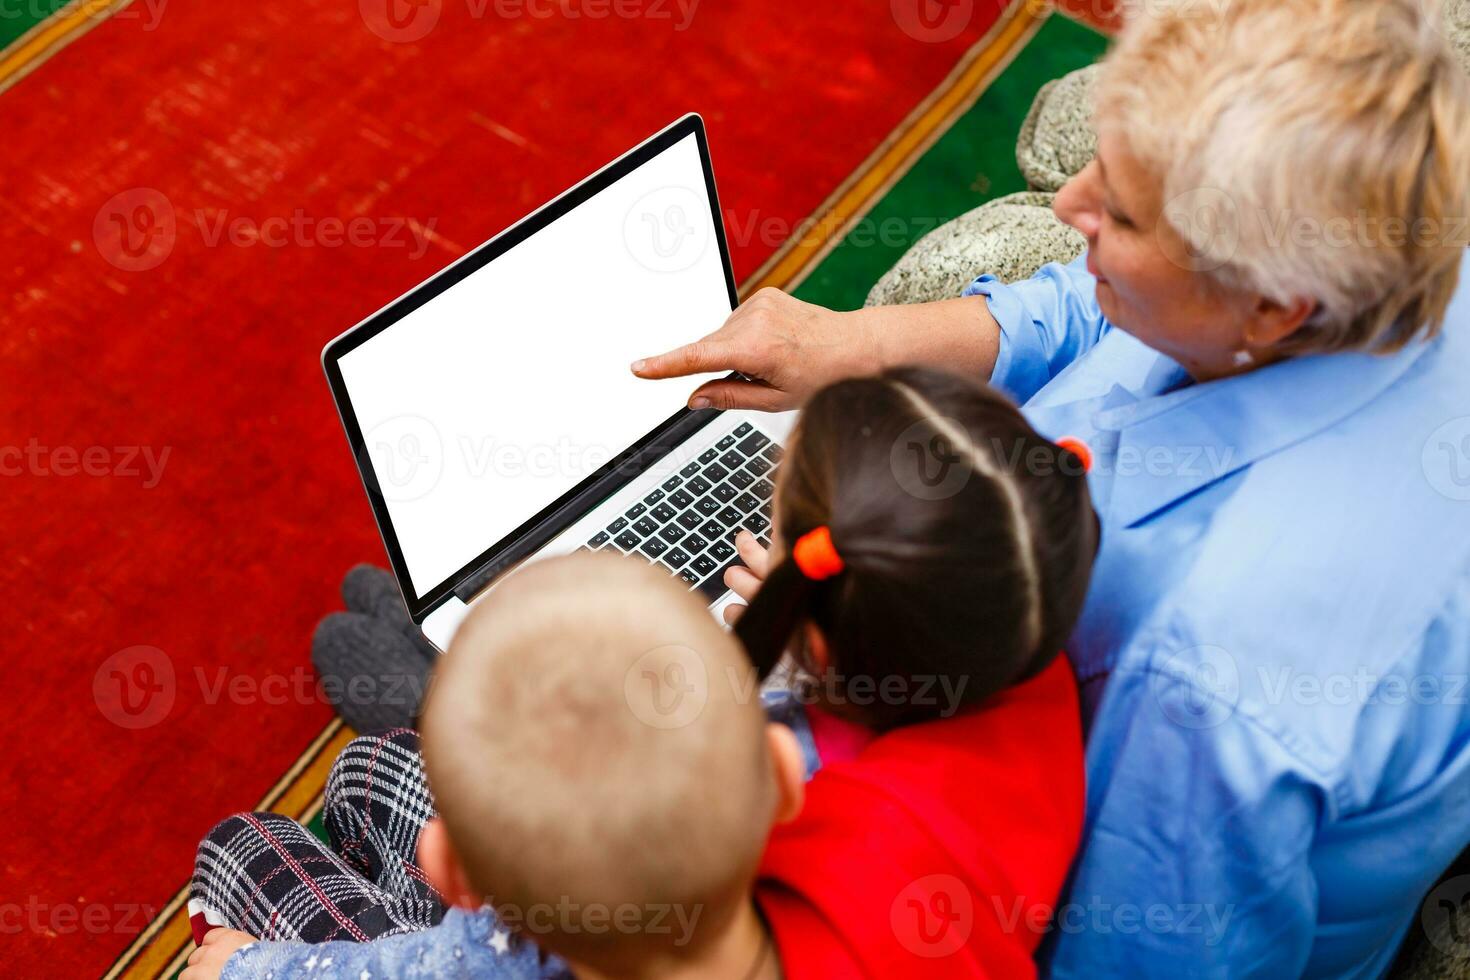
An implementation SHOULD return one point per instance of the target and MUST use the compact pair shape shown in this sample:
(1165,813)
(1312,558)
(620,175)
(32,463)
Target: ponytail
(785,598)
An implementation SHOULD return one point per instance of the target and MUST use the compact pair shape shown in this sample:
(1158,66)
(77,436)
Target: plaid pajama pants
(267,875)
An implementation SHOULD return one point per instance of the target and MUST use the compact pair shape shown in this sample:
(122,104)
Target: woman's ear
(790,771)
(1272,322)
(441,865)
(819,655)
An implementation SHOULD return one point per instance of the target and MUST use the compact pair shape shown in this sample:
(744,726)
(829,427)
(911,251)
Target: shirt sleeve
(1046,322)
(1196,859)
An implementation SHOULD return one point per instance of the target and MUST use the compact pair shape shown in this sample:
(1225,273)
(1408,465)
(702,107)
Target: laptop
(493,416)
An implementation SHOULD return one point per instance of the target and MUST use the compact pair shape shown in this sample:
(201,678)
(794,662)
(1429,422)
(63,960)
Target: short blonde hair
(615,822)
(1330,138)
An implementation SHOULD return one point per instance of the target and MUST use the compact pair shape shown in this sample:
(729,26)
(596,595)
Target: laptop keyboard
(687,526)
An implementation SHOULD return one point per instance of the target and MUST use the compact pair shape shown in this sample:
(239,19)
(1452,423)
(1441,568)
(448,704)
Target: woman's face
(1116,204)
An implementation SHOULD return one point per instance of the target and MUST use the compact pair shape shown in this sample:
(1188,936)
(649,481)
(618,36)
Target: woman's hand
(208,961)
(789,347)
(746,581)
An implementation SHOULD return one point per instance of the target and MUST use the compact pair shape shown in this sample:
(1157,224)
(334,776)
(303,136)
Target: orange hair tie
(1079,449)
(816,555)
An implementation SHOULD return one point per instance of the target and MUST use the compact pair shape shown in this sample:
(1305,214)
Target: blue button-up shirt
(1274,652)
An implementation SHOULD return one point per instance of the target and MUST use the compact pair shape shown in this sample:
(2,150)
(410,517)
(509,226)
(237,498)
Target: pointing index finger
(700,357)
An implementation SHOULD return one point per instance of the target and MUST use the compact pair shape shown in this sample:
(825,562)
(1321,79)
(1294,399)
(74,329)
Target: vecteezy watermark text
(38,459)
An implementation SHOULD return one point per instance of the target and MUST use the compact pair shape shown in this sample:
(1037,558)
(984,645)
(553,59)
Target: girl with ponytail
(925,538)
(929,557)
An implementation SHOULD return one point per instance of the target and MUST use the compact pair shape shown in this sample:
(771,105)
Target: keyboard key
(713,586)
(708,506)
(672,483)
(732,459)
(708,455)
(654,497)
(690,519)
(617,525)
(764,542)
(741,479)
(755,523)
(747,503)
(689,577)
(697,486)
(663,513)
(599,539)
(722,551)
(654,547)
(714,472)
(672,533)
(694,544)
(774,453)
(724,493)
(753,443)
(676,558)
(729,517)
(689,470)
(704,564)
(645,526)
(742,429)
(725,443)
(759,466)
(627,540)
(763,489)
(680,499)
(713,530)
(635,511)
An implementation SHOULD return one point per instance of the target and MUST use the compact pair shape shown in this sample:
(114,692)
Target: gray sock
(373,591)
(372,674)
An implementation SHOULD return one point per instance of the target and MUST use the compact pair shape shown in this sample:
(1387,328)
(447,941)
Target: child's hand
(207,962)
(745,581)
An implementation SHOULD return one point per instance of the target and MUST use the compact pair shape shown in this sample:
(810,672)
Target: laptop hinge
(620,475)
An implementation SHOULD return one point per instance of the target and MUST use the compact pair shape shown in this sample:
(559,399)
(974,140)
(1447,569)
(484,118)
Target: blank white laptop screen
(498,396)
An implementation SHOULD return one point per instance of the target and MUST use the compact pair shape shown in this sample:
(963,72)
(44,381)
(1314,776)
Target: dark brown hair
(967,540)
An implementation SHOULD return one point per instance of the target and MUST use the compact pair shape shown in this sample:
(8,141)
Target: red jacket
(939,850)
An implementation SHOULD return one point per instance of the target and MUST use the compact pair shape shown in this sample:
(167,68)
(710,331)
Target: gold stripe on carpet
(32,49)
(896,155)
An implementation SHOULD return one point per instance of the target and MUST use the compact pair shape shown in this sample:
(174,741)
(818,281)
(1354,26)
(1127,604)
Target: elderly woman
(1264,348)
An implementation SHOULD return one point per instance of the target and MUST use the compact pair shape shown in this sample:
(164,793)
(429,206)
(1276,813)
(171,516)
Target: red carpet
(222,554)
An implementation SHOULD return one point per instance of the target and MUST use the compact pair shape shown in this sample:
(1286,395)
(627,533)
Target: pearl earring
(1244,358)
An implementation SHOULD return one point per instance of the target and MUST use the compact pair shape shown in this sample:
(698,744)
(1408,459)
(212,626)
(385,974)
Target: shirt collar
(1171,445)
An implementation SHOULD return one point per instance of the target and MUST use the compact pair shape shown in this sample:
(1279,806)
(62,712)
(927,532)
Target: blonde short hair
(595,745)
(1328,141)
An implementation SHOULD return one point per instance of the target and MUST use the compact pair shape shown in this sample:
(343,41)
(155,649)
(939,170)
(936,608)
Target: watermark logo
(925,463)
(932,21)
(933,916)
(135,687)
(407,454)
(1207,223)
(400,21)
(52,919)
(1446,919)
(666,230)
(667,687)
(1198,688)
(1446,459)
(136,229)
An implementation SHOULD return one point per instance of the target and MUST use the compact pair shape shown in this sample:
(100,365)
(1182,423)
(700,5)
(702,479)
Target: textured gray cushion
(1457,28)
(1057,139)
(1010,237)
